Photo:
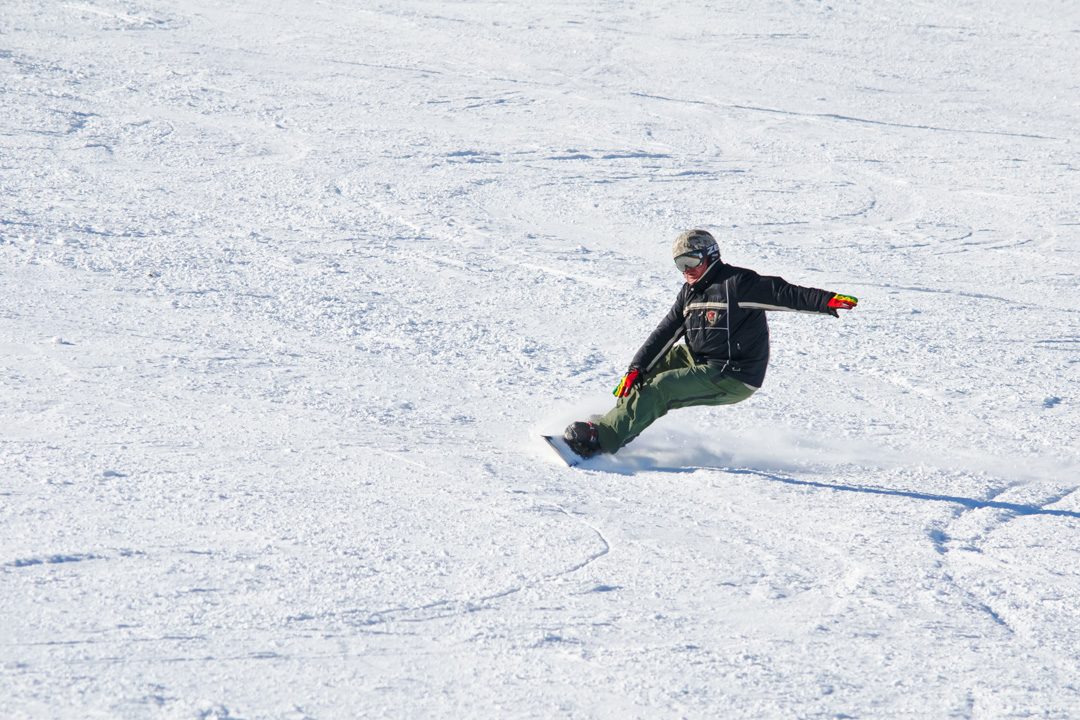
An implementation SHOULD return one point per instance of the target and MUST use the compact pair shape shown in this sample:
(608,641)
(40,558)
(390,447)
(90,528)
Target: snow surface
(289,290)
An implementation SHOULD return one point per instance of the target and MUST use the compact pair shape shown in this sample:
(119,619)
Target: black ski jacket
(722,316)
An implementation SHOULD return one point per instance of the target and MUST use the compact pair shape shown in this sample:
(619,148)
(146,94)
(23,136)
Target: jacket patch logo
(711,316)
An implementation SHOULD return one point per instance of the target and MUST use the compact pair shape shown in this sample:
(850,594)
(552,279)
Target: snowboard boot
(583,438)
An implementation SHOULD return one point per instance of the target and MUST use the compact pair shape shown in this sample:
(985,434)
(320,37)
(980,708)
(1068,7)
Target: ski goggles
(690,260)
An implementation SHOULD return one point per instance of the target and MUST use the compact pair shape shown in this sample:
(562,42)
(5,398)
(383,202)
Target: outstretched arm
(775,293)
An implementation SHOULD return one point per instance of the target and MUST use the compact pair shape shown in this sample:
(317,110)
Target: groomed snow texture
(290,288)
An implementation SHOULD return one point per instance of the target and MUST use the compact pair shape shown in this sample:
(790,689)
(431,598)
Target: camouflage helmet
(696,241)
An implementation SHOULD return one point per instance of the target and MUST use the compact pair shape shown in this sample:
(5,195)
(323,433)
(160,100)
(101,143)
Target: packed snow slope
(289,290)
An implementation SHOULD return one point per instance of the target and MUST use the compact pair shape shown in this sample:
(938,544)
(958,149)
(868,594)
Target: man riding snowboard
(721,313)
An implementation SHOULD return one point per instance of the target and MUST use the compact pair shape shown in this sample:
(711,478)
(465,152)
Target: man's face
(692,275)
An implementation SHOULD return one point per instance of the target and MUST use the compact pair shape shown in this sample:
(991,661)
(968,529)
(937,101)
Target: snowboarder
(720,311)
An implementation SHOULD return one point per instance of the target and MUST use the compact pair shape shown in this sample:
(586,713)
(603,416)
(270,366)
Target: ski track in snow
(290,289)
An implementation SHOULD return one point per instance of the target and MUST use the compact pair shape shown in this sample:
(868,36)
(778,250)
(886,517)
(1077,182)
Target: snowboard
(559,445)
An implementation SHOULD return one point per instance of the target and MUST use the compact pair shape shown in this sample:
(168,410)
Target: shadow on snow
(634,465)
(969,503)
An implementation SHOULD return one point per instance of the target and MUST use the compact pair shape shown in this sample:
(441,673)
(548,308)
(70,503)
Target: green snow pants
(677,381)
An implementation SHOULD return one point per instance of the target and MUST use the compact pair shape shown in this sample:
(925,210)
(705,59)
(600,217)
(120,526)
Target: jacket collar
(708,277)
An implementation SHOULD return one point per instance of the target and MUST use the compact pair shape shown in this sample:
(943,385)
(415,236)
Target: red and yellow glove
(630,379)
(843,302)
